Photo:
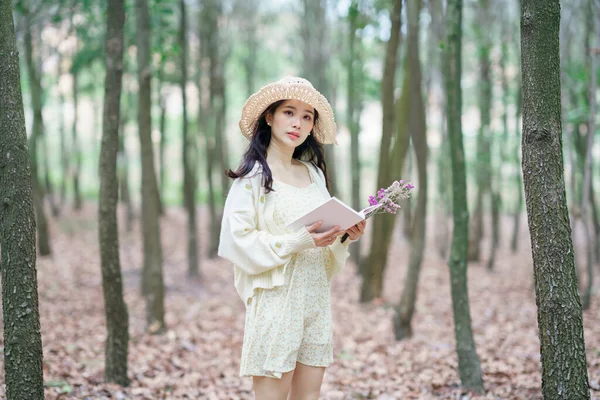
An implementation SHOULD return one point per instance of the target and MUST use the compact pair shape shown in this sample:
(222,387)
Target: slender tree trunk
(75,149)
(43,235)
(206,121)
(519,180)
(188,155)
(162,147)
(469,367)
(373,267)
(22,339)
(64,152)
(152,276)
(123,165)
(587,180)
(354,65)
(564,372)
(418,131)
(483,171)
(594,211)
(437,31)
(117,319)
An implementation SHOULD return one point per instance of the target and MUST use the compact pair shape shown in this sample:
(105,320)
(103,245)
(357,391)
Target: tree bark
(418,132)
(43,235)
(115,309)
(564,372)
(188,155)
(468,361)
(22,338)
(373,267)
(152,275)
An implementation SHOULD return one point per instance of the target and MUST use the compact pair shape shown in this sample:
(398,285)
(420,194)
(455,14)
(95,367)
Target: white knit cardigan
(258,248)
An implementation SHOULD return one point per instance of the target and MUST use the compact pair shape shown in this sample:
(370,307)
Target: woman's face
(291,123)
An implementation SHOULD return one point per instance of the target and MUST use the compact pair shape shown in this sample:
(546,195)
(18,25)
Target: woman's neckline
(312,181)
(290,185)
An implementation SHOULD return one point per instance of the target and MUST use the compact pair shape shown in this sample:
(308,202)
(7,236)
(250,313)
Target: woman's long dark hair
(311,150)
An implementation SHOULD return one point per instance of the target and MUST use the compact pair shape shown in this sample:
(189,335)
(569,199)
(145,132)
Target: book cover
(332,212)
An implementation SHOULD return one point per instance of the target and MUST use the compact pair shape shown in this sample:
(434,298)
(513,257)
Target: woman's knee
(266,388)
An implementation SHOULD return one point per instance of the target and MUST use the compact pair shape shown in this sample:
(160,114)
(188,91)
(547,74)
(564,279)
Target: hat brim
(325,128)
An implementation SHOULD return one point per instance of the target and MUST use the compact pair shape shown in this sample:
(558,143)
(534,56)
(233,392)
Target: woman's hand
(326,238)
(357,230)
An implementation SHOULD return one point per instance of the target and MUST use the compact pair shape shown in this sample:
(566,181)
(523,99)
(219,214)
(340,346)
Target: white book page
(332,212)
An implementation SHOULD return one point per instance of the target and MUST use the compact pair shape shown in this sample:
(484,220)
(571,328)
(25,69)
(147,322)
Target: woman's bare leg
(266,388)
(306,382)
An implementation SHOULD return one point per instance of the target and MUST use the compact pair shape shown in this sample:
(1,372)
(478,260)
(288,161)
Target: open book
(333,212)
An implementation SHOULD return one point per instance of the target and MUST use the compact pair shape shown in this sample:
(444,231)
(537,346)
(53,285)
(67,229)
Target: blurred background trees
(387,67)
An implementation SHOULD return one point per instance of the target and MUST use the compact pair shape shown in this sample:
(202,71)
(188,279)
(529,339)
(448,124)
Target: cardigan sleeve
(252,250)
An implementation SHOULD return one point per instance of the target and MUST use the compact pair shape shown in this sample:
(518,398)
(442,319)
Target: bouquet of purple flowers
(386,200)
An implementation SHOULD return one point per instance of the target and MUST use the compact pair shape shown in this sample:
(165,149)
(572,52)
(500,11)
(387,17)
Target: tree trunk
(564,372)
(64,153)
(354,69)
(123,165)
(468,361)
(75,150)
(162,147)
(518,178)
(152,275)
(372,269)
(22,339)
(495,206)
(418,132)
(596,220)
(208,119)
(436,10)
(587,179)
(117,320)
(188,154)
(43,235)
(483,171)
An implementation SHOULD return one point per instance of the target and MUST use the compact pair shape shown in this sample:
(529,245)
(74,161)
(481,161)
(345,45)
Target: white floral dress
(291,323)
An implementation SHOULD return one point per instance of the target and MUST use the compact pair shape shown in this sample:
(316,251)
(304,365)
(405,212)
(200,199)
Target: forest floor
(198,357)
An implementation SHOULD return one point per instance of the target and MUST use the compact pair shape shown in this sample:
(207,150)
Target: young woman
(283,276)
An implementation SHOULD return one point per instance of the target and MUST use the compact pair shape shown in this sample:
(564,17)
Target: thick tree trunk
(22,339)
(418,132)
(43,235)
(564,372)
(152,275)
(188,155)
(115,309)
(373,267)
(469,367)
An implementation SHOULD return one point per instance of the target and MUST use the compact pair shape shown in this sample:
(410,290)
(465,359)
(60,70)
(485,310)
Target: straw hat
(290,88)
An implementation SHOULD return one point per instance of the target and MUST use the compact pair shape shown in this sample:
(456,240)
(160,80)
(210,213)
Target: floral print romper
(292,322)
